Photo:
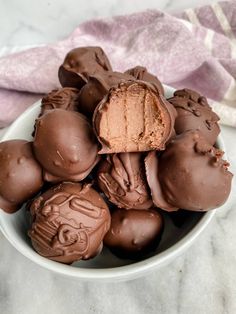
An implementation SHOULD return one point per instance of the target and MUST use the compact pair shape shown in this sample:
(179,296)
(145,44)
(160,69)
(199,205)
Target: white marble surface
(200,281)
(30,22)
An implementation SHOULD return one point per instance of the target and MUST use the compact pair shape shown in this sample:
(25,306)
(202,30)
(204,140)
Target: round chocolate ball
(190,174)
(80,63)
(20,174)
(65,145)
(134,233)
(194,113)
(97,87)
(69,222)
(141,73)
(122,179)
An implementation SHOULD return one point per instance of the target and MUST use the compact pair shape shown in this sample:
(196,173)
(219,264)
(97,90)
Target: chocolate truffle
(69,222)
(190,174)
(97,87)
(141,73)
(122,179)
(65,145)
(134,233)
(20,174)
(80,63)
(64,98)
(194,113)
(133,117)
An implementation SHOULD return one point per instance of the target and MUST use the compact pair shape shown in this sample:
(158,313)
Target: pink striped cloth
(194,49)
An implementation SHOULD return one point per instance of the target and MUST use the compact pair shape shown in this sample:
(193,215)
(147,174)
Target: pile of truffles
(110,154)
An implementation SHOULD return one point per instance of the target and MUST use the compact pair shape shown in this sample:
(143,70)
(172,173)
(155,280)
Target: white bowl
(105,267)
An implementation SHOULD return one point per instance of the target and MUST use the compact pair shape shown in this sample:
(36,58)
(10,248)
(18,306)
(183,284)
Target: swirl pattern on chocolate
(69,222)
(122,179)
(64,98)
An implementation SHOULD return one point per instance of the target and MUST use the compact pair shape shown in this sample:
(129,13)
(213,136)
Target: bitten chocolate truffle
(190,174)
(64,98)
(97,87)
(133,117)
(80,63)
(69,222)
(134,233)
(122,179)
(65,145)
(20,174)
(141,73)
(194,113)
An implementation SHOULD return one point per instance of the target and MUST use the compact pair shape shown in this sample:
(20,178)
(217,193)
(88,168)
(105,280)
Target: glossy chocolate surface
(190,174)
(80,63)
(134,233)
(65,145)
(20,174)
(69,222)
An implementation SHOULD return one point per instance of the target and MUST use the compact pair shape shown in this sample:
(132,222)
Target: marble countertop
(200,281)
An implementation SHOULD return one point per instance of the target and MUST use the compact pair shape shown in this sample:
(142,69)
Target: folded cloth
(194,49)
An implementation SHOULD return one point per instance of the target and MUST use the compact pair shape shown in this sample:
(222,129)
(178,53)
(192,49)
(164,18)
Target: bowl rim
(130,271)
(125,272)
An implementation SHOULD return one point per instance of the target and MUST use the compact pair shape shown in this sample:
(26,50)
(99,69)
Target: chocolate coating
(80,63)
(20,174)
(64,98)
(69,222)
(144,120)
(97,87)
(65,145)
(190,174)
(141,73)
(194,113)
(122,179)
(134,233)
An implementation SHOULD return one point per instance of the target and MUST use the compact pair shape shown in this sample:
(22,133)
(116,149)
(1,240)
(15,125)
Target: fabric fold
(194,49)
